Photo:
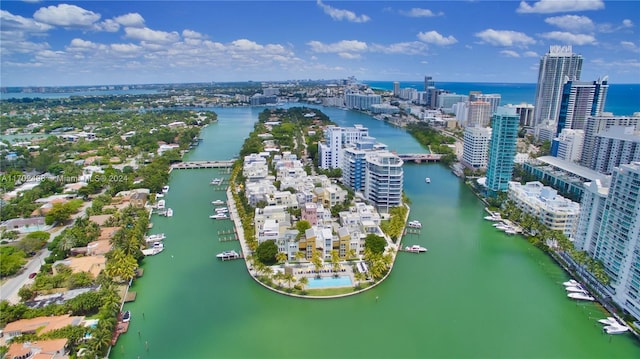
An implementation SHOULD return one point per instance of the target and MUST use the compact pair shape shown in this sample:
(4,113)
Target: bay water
(477,292)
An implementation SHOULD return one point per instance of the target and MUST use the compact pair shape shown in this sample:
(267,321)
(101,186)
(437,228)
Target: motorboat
(222,210)
(165,189)
(216,181)
(169,212)
(428,180)
(415,249)
(228,255)
(608,321)
(615,329)
(161,204)
(126,316)
(415,224)
(571,283)
(493,218)
(577,289)
(219,216)
(158,245)
(155,237)
(217,202)
(510,231)
(159,195)
(580,296)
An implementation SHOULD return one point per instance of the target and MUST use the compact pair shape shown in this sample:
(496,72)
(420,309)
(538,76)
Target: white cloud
(433,37)
(340,46)
(505,38)
(66,15)
(629,46)
(349,56)
(146,34)
(569,38)
(108,25)
(510,53)
(552,6)
(627,23)
(190,34)
(573,23)
(246,45)
(418,12)
(126,50)
(339,14)
(8,21)
(530,54)
(403,48)
(81,45)
(132,19)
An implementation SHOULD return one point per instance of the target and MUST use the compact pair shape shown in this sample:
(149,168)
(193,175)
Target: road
(9,289)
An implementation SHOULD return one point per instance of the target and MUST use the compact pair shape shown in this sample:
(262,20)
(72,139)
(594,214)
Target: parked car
(32,275)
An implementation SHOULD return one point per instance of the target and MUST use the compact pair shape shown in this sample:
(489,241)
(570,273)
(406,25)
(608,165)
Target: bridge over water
(420,157)
(202,164)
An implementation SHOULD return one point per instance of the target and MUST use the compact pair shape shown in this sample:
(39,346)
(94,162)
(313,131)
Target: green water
(477,293)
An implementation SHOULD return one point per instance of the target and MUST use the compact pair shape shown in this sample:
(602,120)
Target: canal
(477,293)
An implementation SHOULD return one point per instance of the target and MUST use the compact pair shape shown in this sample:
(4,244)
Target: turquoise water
(477,293)
(327,282)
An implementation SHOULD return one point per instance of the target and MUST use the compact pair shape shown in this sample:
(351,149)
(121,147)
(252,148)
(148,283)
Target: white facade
(335,138)
(544,203)
(616,146)
(570,145)
(476,147)
(384,180)
(610,233)
(479,114)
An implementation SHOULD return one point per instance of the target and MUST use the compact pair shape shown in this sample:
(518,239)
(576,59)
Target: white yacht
(165,189)
(615,329)
(217,202)
(416,249)
(608,321)
(169,212)
(580,296)
(228,255)
(219,216)
(576,289)
(216,181)
(415,224)
(510,231)
(493,218)
(154,237)
(428,180)
(571,283)
(161,204)
(222,210)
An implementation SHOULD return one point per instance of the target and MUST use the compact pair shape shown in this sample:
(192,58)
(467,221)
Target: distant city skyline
(138,42)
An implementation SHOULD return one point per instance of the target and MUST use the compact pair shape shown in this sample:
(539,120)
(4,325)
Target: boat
(615,329)
(415,249)
(161,204)
(493,218)
(159,195)
(217,202)
(415,224)
(228,255)
(158,245)
(510,231)
(222,210)
(428,180)
(581,296)
(577,289)
(126,316)
(608,321)
(165,189)
(216,181)
(219,216)
(571,283)
(154,237)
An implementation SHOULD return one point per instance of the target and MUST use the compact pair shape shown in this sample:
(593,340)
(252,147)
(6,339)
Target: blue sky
(47,43)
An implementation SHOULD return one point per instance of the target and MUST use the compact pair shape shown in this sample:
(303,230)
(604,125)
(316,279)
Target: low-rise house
(91,264)
(100,219)
(39,325)
(25,225)
(41,349)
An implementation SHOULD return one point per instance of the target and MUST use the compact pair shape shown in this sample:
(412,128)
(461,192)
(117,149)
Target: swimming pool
(326,282)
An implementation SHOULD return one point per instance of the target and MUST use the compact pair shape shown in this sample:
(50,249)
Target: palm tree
(300,256)
(303,281)
(360,277)
(316,259)
(281,257)
(335,262)
(351,254)
(289,278)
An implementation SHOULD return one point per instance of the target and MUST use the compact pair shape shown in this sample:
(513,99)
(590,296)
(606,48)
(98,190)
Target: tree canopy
(266,252)
(375,244)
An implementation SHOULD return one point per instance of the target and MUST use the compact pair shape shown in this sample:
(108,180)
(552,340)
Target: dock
(121,328)
(202,164)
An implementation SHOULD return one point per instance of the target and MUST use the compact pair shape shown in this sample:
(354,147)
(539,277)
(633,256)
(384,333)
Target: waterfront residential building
(580,100)
(475,153)
(567,177)
(616,146)
(597,124)
(502,150)
(360,101)
(492,98)
(542,202)
(384,180)
(610,233)
(568,146)
(447,100)
(555,66)
(525,111)
(479,114)
(335,138)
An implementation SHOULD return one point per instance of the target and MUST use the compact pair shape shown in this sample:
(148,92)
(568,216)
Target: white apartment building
(384,177)
(544,203)
(335,138)
(596,124)
(475,153)
(613,147)
(479,114)
(569,145)
(609,231)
